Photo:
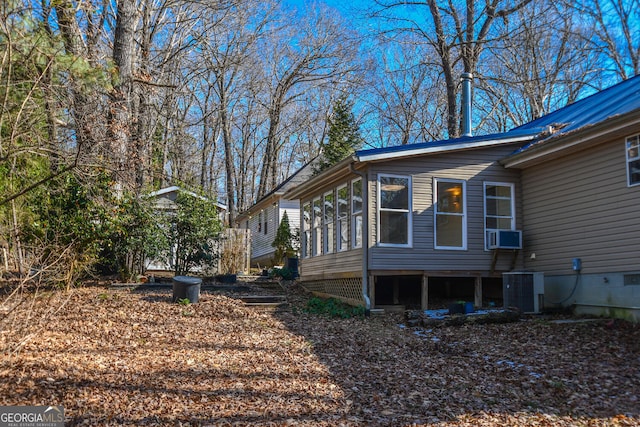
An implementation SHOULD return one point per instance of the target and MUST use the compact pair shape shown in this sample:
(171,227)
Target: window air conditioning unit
(504,239)
(524,290)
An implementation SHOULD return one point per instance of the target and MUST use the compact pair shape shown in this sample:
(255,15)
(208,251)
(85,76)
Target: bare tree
(457,31)
(312,53)
(406,92)
(540,67)
(85,109)
(121,102)
(614,32)
(229,40)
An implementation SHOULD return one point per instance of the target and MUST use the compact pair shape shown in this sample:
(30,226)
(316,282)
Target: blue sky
(346,8)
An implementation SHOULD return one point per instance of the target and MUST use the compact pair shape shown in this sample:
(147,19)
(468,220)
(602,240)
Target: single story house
(263,218)
(416,225)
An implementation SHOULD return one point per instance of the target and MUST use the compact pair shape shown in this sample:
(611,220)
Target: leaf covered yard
(131,357)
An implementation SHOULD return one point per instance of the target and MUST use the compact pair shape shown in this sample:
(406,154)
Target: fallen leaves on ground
(121,357)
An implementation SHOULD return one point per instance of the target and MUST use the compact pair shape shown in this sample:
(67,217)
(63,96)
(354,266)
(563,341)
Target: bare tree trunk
(225,127)
(270,158)
(83,108)
(444,52)
(120,129)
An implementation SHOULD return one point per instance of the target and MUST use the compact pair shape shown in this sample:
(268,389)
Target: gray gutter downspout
(365,239)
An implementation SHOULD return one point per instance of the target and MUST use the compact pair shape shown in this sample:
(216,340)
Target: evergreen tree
(344,135)
(285,240)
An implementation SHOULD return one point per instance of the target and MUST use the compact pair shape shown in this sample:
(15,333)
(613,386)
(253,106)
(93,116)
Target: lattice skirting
(346,290)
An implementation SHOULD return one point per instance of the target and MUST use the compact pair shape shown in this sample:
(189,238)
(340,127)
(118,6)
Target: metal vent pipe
(467,78)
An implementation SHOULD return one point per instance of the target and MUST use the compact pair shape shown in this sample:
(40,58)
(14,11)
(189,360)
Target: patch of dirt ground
(131,357)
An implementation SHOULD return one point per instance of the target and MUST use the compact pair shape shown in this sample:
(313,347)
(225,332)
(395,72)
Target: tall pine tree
(344,135)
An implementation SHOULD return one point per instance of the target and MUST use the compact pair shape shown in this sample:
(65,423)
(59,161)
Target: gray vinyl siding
(473,166)
(580,206)
(335,265)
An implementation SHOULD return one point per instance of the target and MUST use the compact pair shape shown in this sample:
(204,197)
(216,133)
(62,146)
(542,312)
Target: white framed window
(450,219)
(633,160)
(328,207)
(307,244)
(499,208)
(342,226)
(356,213)
(317,226)
(394,210)
(260,222)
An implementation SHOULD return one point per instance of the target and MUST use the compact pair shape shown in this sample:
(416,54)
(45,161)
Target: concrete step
(265,302)
(263,299)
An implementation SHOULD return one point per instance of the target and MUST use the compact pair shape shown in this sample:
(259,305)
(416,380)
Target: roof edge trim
(445,148)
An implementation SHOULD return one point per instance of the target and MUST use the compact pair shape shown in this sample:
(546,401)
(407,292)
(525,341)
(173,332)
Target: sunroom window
(450,214)
(356,213)
(306,231)
(317,226)
(499,208)
(633,159)
(342,233)
(394,210)
(328,236)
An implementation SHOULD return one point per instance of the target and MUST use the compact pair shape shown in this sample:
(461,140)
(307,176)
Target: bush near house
(194,232)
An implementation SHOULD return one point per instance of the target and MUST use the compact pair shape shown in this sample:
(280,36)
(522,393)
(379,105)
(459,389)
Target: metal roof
(616,100)
(446,145)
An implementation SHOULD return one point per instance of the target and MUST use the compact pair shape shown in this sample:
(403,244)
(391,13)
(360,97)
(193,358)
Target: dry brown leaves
(119,357)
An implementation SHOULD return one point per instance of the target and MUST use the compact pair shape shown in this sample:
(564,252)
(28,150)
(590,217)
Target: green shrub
(333,308)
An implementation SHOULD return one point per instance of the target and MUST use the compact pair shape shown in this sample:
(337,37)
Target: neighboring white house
(263,218)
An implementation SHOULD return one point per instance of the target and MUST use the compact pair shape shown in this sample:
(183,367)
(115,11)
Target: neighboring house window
(307,244)
(317,226)
(450,214)
(328,237)
(265,221)
(633,159)
(343,219)
(246,225)
(260,222)
(499,207)
(394,210)
(356,213)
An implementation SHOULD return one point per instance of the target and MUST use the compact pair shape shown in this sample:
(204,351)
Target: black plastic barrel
(186,287)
